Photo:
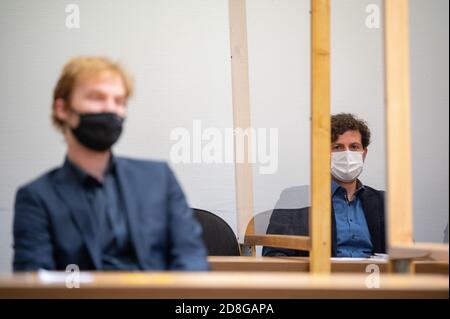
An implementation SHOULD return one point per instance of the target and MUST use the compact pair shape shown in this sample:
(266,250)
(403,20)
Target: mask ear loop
(73,111)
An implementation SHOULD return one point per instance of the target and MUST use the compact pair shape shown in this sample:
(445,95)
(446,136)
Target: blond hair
(80,67)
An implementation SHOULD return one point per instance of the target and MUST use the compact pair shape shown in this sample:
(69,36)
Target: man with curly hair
(358,223)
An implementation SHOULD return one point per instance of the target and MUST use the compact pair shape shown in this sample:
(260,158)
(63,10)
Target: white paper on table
(61,277)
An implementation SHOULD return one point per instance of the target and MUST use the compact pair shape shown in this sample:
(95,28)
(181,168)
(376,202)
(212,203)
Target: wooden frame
(399,181)
(319,242)
(301,264)
(285,241)
(320,213)
(399,200)
(241,113)
(221,285)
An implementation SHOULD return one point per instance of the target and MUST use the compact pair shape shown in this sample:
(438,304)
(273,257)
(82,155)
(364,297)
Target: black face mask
(98,131)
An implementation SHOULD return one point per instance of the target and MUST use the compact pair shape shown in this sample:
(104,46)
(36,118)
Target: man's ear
(365,153)
(61,109)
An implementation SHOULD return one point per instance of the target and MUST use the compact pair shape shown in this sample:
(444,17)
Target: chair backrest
(218,236)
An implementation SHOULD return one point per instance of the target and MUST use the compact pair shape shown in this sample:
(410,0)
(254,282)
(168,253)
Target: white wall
(430,128)
(357,84)
(178,52)
(279,64)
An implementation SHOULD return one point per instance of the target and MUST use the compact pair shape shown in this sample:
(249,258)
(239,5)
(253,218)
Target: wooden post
(399,182)
(402,249)
(320,219)
(241,115)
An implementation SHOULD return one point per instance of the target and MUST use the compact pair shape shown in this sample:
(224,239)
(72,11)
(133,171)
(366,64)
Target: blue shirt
(353,236)
(107,206)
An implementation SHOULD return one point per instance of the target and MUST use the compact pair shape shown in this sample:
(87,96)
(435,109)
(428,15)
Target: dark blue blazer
(53,226)
(296,222)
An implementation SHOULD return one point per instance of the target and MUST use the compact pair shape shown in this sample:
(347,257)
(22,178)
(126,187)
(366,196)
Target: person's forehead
(101,81)
(350,136)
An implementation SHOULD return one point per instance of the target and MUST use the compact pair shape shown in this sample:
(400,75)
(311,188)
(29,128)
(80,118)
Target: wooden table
(228,284)
(248,263)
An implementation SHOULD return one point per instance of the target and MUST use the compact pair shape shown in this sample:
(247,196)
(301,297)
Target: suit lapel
(72,195)
(128,193)
(371,210)
(333,233)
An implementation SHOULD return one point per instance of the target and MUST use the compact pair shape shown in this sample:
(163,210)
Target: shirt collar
(335,186)
(85,178)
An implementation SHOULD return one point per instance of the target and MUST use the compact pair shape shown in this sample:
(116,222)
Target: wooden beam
(431,251)
(224,285)
(399,182)
(320,219)
(241,115)
(301,264)
(258,263)
(283,241)
(430,267)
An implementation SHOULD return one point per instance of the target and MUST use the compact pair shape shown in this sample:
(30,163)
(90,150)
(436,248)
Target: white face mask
(346,166)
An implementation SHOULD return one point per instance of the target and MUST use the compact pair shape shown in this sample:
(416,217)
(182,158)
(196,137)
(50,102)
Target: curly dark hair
(343,122)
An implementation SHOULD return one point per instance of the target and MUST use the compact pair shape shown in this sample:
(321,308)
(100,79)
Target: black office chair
(218,236)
